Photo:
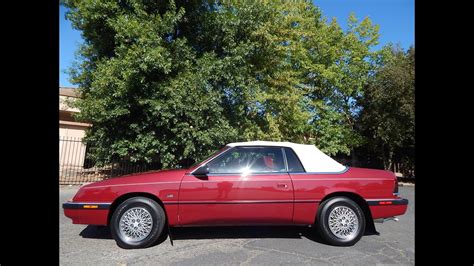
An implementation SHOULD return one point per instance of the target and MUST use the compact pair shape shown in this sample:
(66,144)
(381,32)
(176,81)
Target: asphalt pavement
(92,245)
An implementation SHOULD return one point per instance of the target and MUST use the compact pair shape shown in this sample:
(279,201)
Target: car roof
(264,143)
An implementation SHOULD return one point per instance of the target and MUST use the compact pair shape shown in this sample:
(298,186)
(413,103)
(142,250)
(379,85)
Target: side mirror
(202,171)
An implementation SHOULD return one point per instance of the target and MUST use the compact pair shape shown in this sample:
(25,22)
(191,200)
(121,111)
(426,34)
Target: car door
(245,185)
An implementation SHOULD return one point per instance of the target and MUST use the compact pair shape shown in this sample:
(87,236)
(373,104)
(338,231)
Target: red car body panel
(387,211)
(370,184)
(236,199)
(283,198)
(78,216)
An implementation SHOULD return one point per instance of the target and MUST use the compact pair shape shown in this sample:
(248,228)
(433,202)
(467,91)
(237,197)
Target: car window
(249,160)
(294,164)
(213,154)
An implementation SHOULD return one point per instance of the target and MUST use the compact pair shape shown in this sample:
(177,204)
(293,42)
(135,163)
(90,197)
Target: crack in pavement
(250,258)
(298,255)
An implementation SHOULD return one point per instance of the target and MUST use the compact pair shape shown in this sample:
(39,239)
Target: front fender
(82,209)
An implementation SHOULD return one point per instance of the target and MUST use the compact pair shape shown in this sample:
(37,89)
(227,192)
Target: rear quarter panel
(311,188)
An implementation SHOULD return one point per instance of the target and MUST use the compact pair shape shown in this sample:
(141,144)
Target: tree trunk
(387,158)
(384,158)
(390,159)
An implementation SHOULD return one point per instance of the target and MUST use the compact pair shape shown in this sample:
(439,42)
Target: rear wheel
(340,221)
(137,223)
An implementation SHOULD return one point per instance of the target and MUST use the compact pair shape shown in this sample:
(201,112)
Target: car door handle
(282,185)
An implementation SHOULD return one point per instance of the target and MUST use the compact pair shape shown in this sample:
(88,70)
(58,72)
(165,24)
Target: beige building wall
(63,104)
(71,131)
(71,150)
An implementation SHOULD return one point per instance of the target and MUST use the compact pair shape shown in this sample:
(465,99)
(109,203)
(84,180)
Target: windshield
(210,157)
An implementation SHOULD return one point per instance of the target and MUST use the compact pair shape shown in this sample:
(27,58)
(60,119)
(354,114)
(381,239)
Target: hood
(146,177)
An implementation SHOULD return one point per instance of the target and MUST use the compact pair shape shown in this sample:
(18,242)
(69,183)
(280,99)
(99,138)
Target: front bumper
(87,212)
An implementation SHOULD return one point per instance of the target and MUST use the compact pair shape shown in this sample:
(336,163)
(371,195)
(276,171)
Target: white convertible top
(312,158)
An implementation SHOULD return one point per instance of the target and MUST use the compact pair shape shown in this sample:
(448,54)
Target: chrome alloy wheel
(343,222)
(135,224)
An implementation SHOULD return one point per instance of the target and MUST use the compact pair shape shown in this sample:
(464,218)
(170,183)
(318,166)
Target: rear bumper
(397,201)
(384,208)
(86,212)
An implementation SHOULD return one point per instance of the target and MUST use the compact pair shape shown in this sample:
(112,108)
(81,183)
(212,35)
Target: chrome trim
(241,179)
(240,202)
(285,160)
(250,174)
(320,173)
(297,157)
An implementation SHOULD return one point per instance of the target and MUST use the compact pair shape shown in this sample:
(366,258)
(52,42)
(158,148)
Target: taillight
(395,189)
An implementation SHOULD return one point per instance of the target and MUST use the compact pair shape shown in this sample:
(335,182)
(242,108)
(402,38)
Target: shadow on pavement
(95,231)
(223,232)
(235,232)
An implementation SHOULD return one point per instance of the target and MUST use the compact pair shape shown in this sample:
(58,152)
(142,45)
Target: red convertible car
(246,183)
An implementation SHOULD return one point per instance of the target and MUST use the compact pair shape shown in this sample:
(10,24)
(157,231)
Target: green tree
(339,70)
(144,88)
(173,80)
(259,48)
(388,116)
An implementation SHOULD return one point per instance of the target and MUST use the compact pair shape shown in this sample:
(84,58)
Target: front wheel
(137,223)
(340,221)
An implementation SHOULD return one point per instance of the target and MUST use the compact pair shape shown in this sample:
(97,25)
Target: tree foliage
(388,116)
(173,80)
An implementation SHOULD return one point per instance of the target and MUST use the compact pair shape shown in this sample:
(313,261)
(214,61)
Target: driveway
(81,244)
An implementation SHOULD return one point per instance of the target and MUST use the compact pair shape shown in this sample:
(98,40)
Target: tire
(145,218)
(347,210)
